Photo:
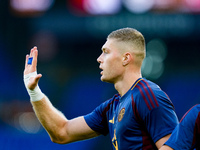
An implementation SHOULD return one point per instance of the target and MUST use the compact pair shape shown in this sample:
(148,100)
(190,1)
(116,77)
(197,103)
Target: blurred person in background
(186,135)
(140,116)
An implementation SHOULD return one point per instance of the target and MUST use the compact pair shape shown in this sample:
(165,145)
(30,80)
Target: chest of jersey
(123,126)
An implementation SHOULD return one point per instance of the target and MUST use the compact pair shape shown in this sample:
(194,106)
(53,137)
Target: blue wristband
(30,59)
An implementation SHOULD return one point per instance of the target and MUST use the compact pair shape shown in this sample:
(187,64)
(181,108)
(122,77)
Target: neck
(128,80)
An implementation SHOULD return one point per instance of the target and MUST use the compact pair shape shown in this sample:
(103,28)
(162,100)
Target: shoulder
(148,96)
(191,116)
(108,104)
(145,87)
(146,93)
(148,86)
(112,100)
(151,94)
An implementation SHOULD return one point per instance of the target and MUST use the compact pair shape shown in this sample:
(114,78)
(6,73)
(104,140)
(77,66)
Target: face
(110,62)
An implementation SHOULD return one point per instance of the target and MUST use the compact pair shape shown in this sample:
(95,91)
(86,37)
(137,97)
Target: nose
(99,59)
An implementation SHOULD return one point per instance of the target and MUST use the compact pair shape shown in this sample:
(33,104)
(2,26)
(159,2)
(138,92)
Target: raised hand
(31,77)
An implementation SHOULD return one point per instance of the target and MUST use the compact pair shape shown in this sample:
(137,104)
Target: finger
(31,52)
(35,55)
(26,60)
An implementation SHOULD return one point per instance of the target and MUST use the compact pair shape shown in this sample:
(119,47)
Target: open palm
(31,68)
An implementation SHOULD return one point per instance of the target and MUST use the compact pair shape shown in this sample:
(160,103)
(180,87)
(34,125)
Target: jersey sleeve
(97,119)
(160,122)
(187,131)
(156,111)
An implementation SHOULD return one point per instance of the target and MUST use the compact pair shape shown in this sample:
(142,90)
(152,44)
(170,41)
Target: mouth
(101,71)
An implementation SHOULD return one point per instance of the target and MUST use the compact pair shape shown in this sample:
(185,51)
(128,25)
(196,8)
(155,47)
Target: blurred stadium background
(69,35)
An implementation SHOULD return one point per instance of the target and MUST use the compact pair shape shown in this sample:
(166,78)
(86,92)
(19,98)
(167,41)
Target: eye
(105,51)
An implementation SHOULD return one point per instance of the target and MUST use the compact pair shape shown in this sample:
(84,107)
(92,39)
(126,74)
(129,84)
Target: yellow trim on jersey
(114,141)
(112,121)
(136,83)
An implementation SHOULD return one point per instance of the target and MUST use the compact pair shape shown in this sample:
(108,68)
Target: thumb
(37,78)
(34,81)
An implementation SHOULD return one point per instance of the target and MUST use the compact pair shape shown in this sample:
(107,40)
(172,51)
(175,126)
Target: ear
(127,57)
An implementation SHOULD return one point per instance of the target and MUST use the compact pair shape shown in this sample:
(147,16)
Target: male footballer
(139,117)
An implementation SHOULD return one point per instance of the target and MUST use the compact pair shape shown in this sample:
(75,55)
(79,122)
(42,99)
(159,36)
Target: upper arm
(76,130)
(89,126)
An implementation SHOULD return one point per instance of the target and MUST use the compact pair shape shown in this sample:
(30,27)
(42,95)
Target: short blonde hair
(133,39)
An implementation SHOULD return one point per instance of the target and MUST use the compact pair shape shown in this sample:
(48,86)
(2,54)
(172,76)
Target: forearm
(52,120)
